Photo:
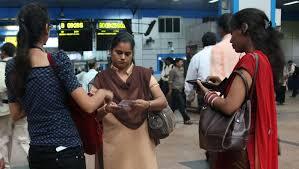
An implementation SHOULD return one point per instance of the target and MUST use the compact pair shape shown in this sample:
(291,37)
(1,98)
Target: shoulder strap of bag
(53,65)
(50,59)
(239,72)
(256,57)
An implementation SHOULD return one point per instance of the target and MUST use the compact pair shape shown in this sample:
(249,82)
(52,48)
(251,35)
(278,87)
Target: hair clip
(267,24)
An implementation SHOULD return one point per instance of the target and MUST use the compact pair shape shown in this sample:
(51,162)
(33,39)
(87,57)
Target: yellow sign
(72,25)
(11,39)
(111,25)
(107,32)
(72,33)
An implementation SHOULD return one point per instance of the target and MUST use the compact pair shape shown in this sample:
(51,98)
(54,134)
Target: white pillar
(268,6)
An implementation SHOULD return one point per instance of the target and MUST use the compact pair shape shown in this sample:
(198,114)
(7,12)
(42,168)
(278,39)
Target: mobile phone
(205,84)
(193,82)
(125,104)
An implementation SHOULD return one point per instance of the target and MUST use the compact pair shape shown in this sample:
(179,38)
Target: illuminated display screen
(75,35)
(106,30)
(11,39)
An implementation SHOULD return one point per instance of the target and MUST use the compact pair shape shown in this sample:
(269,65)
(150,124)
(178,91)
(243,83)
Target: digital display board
(75,35)
(107,29)
(11,39)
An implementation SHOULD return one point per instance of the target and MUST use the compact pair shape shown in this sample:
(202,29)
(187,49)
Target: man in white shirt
(199,67)
(7,52)
(167,67)
(88,76)
(224,57)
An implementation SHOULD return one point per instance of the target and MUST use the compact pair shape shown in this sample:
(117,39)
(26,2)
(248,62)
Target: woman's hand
(108,94)
(202,89)
(112,107)
(214,79)
(107,108)
(140,105)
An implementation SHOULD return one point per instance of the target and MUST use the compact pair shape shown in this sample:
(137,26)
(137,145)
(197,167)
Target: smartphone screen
(126,105)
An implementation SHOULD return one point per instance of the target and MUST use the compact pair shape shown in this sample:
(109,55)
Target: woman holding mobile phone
(126,141)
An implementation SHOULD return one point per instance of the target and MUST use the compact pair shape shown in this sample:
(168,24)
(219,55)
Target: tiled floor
(181,150)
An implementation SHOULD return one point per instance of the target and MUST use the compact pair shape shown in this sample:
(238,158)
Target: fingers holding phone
(112,107)
(214,79)
(201,88)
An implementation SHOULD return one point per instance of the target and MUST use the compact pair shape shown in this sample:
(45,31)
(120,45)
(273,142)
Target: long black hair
(123,37)
(32,20)
(264,37)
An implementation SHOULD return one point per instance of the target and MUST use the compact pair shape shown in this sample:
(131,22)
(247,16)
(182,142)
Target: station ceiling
(132,4)
(291,8)
(151,4)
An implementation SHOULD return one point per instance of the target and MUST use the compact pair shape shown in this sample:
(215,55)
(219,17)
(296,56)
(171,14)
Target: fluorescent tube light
(291,3)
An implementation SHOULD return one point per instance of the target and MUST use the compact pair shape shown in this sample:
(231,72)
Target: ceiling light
(175,0)
(12,28)
(213,1)
(291,3)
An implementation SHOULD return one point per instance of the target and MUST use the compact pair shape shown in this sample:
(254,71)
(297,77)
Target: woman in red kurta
(252,34)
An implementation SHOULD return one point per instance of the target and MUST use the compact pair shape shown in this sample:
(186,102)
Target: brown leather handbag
(218,132)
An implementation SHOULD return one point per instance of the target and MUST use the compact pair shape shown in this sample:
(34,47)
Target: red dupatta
(262,145)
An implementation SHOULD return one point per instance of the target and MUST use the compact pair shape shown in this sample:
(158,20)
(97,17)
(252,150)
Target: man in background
(295,77)
(167,67)
(88,76)
(282,88)
(176,89)
(7,52)
(224,57)
(199,67)
(291,67)
(293,73)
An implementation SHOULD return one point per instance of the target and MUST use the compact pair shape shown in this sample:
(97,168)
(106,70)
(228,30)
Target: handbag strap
(256,57)
(51,61)
(53,65)
(240,73)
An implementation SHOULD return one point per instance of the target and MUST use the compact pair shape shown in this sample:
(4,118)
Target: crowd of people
(37,85)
